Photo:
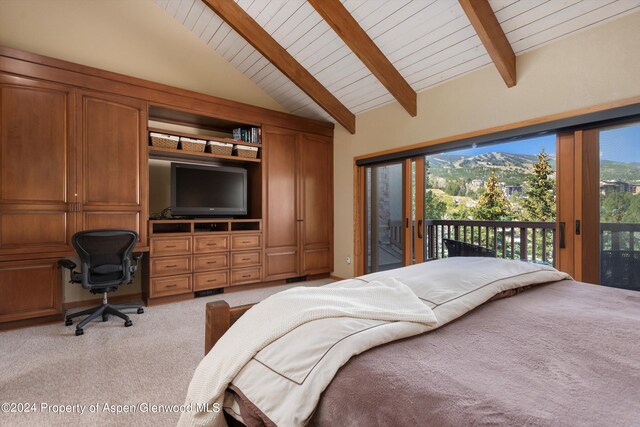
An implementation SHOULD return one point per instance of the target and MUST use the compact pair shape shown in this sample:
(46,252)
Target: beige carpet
(150,363)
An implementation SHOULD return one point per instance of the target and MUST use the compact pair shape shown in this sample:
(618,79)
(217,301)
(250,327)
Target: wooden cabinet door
(30,289)
(316,204)
(113,166)
(37,168)
(280,168)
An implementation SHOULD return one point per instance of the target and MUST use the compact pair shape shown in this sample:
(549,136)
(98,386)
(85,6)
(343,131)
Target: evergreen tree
(434,208)
(540,201)
(492,204)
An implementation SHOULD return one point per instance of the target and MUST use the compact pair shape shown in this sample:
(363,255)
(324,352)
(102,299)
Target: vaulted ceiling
(427,41)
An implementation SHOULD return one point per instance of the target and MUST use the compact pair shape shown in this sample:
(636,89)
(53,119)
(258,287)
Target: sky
(523,146)
(619,144)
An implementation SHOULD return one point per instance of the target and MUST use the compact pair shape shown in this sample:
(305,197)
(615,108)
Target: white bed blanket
(386,300)
(283,353)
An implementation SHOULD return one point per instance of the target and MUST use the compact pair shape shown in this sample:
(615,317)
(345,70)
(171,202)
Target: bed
(561,353)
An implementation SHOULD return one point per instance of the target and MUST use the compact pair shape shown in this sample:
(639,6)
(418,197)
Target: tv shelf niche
(188,256)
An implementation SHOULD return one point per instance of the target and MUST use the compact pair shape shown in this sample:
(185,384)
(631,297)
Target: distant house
(476,184)
(608,187)
(510,190)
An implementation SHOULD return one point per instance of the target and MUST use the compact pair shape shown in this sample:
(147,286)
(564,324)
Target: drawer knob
(212,262)
(212,280)
(212,244)
(170,246)
(171,266)
(171,286)
(246,259)
(246,241)
(246,276)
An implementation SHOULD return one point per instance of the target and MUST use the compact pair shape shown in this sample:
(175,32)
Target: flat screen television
(205,191)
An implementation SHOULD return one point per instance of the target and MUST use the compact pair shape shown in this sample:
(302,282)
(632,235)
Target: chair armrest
(66,263)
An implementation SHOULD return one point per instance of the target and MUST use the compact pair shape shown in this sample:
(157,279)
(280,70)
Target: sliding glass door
(384,214)
(619,206)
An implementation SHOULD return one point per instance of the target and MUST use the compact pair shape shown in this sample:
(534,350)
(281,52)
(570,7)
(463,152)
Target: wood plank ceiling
(428,41)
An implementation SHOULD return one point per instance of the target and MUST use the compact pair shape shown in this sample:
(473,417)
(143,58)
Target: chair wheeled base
(103,310)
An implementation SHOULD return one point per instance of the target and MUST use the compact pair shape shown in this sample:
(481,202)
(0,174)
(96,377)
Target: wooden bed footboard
(219,317)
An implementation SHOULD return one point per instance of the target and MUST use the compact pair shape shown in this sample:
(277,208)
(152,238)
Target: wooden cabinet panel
(170,266)
(113,163)
(204,244)
(280,163)
(164,246)
(210,262)
(247,241)
(316,260)
(34,228)
(170,285)
(281,264)
(210,280)
(316,181)
(109,219)
(245,259)
(29,289)
(37,169)
(244,276)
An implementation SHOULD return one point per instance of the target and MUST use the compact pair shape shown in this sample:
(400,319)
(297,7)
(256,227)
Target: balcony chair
(620,269)
(457,248)
(105,257)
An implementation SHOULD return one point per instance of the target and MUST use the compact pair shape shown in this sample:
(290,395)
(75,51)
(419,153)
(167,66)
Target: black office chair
(105,257)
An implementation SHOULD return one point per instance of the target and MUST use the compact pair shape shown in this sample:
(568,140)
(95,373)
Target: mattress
(566,353)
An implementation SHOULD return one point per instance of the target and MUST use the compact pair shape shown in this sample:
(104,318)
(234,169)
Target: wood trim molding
(529,122)
(32,65)
(339,18)
(262,41)
(490,32)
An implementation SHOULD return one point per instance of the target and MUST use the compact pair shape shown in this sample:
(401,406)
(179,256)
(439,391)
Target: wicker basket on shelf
(163,141)
(222,148)
(190,144)
(246,152)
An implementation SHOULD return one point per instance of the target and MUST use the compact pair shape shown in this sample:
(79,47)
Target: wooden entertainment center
(75,155)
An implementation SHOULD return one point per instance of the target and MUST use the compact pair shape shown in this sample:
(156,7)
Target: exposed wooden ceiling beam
(339,18)
(488,28)
(262,41)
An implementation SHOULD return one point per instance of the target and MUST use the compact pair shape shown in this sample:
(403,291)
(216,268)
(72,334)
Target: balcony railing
(529,241)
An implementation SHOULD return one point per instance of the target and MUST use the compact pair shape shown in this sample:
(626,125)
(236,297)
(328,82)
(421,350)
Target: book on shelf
(248,134)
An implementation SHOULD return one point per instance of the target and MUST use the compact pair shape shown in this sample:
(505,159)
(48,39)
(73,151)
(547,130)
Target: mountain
(610,170)
(518,163)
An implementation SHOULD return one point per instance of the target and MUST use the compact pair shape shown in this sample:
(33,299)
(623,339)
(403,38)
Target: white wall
(595,66)
(132,37)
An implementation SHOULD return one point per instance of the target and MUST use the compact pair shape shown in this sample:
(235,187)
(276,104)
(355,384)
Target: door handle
(419,229)
(562,245)
(577,227)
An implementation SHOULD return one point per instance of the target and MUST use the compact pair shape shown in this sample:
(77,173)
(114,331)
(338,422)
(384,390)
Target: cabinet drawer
(170,246)
(211,280)
(245,241)
(170,266)
(245,259)
(210,262)
(170,285)
(246,275)
(204,244)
